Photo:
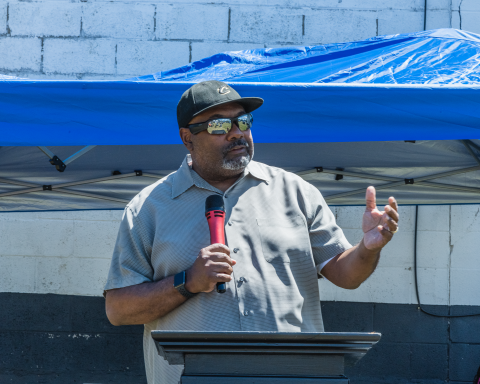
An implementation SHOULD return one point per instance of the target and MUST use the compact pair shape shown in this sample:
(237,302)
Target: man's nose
(235,133)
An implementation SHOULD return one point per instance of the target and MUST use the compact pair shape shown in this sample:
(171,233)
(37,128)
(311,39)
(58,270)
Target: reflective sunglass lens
(219,126)
(245,122)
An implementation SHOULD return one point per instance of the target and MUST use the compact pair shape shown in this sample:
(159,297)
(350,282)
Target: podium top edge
(242,336)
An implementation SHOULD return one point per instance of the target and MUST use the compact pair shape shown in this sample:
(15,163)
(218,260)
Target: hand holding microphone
(213,266)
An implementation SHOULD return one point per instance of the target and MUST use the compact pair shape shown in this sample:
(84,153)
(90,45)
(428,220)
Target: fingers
(370,199)
(392,213)
(222,257)
(391,216)
(390,225)
(222,278)
(222,268)
(218,248)
(393,203)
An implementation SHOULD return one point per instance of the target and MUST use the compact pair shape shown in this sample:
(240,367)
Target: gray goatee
(239,163)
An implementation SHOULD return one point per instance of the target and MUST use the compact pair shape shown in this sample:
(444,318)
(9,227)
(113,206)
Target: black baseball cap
(208,94)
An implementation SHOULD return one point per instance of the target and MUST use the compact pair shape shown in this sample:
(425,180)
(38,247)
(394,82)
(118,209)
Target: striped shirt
(279,230)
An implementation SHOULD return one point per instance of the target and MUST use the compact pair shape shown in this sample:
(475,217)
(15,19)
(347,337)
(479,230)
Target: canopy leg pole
(78,154)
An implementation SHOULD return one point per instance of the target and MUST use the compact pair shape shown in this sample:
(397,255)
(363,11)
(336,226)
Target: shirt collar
(257,171)
(184,179)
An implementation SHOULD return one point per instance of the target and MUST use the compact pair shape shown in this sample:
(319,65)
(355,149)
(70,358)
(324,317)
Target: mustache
(235,144)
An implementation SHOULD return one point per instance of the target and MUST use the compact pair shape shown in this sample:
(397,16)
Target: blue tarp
(442,56)
(344,106)
(384,88)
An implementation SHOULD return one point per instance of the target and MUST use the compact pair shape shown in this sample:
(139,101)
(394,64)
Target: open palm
(378,226)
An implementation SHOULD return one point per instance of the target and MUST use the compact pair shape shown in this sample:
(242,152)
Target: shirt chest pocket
(283,240)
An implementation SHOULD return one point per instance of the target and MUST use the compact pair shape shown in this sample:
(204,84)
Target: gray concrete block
(192,21)
(464,361)
(206,49)
(388,361)
(470,21)
(136,58)
(24,54)
(438,18)
(266,25)
(464,282)
(61,275)
(88,316)
(94,238)
(336,26)
(18,274)
(347,317)
(392,22)
(58,352)
(35,313)
(466,5)
(429,361)
(25,237)
(79,56)
(118,20)
(49,18)
(406,324)
(3,17)
(439,5)
(465,329)
(433,217)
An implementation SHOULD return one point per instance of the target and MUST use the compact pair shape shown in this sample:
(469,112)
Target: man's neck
(221,183)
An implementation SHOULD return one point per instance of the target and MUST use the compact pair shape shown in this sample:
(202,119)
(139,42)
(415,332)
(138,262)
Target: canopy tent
(399,112)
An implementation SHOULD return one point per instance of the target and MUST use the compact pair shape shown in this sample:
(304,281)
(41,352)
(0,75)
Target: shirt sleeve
(326,237)
(131,262)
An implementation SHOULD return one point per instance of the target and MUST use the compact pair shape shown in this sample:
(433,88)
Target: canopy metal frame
(390,182)
(393,182)
(61,188)
(58,163)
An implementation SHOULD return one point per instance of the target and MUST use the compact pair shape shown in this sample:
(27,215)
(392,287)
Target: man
(280,235)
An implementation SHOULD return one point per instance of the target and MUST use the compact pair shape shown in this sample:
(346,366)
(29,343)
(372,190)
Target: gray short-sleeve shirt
(279,230)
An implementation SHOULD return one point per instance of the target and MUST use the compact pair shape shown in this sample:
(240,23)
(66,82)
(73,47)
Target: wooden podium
(263,357)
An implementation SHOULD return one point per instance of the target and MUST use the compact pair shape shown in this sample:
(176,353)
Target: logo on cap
(223,90)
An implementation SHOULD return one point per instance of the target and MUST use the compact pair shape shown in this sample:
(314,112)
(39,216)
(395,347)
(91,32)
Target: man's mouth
(238,149)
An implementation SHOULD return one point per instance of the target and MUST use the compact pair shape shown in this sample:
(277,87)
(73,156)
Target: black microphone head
(214,203)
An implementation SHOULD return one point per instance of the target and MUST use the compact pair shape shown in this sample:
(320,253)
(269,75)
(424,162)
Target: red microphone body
(215,213)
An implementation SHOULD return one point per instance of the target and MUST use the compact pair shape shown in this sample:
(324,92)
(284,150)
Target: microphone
(215,213)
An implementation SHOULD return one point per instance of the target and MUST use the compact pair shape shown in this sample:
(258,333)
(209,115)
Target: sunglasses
(222,126)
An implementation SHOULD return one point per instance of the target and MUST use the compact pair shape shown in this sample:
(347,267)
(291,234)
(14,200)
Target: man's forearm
(352,267)
(143,303)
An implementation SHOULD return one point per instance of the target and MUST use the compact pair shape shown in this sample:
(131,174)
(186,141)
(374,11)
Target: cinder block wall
(59,39)
(69,253)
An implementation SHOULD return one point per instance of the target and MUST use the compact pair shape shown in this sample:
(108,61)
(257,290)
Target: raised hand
(379,226)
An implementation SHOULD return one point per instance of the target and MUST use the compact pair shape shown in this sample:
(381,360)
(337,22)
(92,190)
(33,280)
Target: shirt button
(225,196)
(245,313)
(229,223)
(235,250)
(243,279)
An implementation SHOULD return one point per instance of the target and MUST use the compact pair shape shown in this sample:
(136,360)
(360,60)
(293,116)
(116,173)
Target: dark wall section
(59,339)
(67,339)
(415,347)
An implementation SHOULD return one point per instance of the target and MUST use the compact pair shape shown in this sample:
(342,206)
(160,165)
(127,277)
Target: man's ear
(186,137)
